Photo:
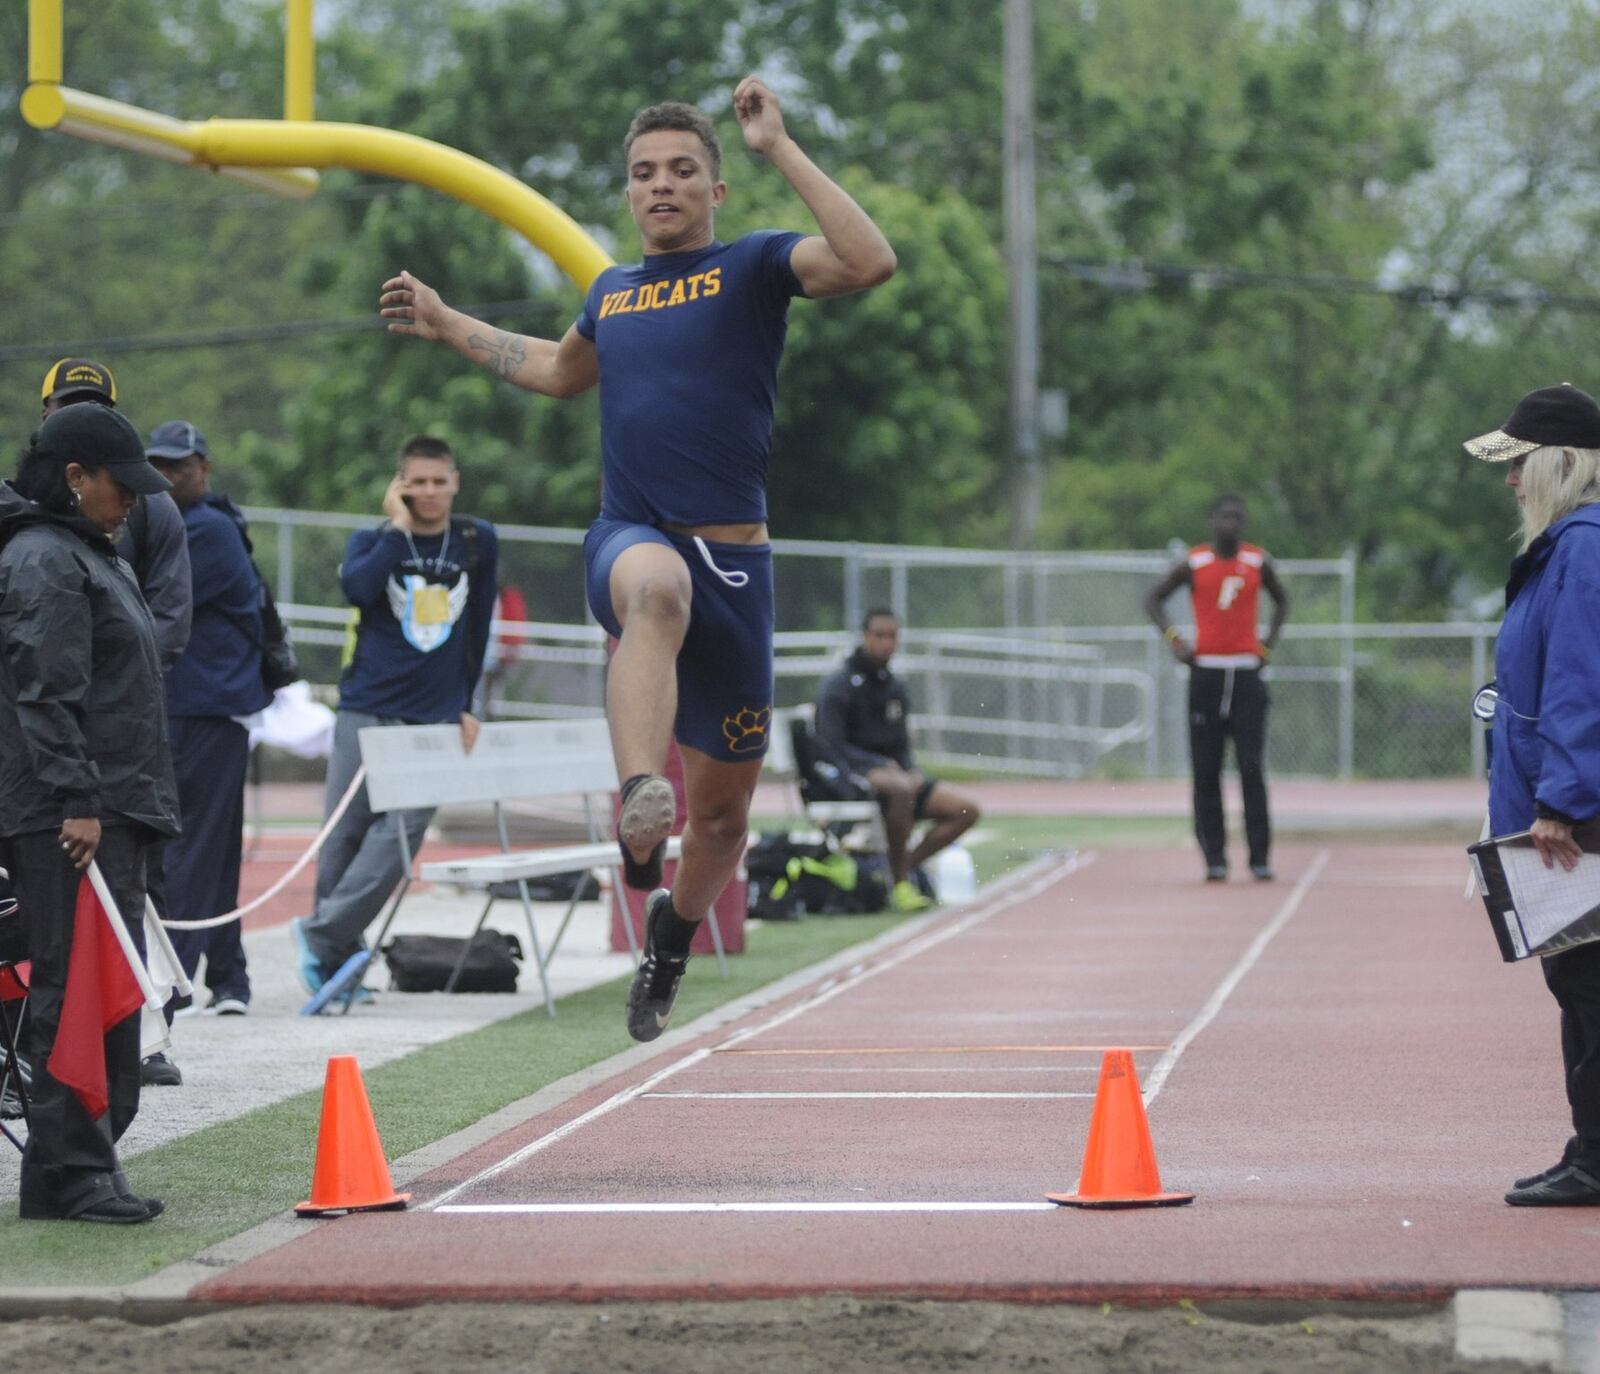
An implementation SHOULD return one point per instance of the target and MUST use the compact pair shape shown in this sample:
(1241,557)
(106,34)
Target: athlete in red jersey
(1226,693)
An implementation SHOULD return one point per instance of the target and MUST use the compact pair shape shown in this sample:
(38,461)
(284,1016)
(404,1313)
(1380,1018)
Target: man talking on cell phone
(423,584)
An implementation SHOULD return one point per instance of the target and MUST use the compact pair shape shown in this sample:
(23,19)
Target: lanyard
(437,560)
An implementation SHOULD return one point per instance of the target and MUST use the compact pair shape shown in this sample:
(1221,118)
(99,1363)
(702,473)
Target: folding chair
(832,799)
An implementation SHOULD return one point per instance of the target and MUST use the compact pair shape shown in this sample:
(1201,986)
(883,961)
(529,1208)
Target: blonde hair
(1555,481)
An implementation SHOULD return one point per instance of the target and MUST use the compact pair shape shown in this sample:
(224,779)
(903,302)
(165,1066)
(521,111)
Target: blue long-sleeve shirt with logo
(426,604)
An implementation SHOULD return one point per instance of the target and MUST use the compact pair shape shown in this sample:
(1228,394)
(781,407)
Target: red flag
(101,991)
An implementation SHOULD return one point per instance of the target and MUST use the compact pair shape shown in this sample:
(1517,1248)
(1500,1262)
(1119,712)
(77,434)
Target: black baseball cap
(176,439)
(98,436)
(80,377)
(1552,417)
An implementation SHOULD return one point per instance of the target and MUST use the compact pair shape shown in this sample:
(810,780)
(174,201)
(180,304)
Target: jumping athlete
(1226,693)
(685,346)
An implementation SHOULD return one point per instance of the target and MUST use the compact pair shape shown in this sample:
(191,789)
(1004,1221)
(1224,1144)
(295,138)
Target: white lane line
(890,1070)
(562,1132)
(925,1051)
(849,1097)
(635,1208)
(1157,1076)
(1049,872)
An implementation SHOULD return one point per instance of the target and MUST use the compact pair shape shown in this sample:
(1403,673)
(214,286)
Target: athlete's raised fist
(758,114)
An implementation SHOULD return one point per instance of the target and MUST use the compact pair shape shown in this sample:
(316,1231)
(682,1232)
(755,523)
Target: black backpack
(791,876)
(424,963)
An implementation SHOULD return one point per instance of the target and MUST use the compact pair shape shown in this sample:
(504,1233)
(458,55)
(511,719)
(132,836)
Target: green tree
(911,368)
(1310,140)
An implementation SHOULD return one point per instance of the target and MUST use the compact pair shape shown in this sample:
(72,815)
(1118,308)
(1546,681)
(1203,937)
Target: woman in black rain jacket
(84,772)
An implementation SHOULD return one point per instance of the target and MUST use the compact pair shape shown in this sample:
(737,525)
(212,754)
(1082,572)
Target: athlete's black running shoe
(649,807)
(655,985)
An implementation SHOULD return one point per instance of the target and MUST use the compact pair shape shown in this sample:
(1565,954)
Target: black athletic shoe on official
(1543,1176)
(655,985)
(1567,1156)
(158,1071)
(1216,873)
(1568,1187)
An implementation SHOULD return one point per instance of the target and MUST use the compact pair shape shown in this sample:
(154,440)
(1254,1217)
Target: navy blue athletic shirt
(424,621)
(688,345)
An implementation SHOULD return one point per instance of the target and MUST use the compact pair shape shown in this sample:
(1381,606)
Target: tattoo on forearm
(504,353)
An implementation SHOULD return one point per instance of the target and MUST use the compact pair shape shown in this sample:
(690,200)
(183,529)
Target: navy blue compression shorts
(725,665)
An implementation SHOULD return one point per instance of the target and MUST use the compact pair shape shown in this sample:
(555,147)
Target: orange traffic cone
(351,1174)
(1119,1165)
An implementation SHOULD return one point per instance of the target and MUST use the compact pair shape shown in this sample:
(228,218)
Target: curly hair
(676,115)
(42,478)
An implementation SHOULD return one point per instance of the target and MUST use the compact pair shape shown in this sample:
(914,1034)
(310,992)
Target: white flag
(167,977)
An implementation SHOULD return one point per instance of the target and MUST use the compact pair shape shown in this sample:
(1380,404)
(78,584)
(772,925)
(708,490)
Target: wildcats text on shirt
(662,295)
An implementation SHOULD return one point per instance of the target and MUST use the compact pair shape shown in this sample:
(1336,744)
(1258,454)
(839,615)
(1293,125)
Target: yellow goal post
(283,155)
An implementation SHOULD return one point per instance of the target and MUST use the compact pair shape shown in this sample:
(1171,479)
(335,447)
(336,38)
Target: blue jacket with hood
(1546,757)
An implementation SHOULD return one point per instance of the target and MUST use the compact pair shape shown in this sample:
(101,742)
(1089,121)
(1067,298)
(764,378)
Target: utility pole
(1022,260)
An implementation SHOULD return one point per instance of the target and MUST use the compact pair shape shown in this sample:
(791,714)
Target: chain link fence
(1028,665)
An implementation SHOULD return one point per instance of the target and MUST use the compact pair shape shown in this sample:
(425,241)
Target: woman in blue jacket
(1545,771)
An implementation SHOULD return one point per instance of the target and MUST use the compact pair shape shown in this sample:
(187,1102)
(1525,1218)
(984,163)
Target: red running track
(1340,1066)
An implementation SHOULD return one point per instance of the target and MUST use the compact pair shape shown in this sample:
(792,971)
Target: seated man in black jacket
(862,715)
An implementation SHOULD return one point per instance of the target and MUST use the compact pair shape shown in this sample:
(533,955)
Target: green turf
(1001,843)
(1005,842)
(219,1181)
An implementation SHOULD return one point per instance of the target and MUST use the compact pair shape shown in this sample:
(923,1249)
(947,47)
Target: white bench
(414,766)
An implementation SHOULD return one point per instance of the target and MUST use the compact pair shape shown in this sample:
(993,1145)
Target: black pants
(199,871)
(1574,977)
(1224,702)
(69,1153)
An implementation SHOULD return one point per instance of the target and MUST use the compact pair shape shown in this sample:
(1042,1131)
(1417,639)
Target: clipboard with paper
(1534,909)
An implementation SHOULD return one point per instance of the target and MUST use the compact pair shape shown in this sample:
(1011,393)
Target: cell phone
(410,502)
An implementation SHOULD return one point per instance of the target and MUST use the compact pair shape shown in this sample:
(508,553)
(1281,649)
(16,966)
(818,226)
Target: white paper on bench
(423,765)
(530,863)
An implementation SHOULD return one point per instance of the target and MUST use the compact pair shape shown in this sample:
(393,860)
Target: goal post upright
(282,156)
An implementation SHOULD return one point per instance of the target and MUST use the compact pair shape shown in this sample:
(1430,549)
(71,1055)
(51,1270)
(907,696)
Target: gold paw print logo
(746,732)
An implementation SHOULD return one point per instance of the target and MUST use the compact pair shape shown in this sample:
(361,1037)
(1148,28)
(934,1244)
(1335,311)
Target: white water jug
(954,878)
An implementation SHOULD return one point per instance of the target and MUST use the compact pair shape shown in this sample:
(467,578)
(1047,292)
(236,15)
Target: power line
(247,334)
(169,207)
(1127,276)
(1140,276)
